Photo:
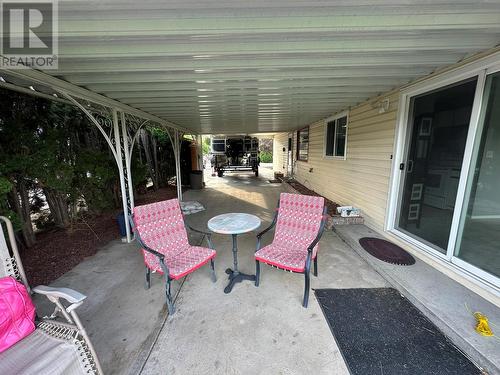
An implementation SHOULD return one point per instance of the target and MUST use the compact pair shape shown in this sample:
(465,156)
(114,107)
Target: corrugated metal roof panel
(240,66)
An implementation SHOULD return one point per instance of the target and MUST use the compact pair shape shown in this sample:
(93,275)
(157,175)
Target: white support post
(177,150)
(119,157)
(128,161)
(175,141)
(199,141)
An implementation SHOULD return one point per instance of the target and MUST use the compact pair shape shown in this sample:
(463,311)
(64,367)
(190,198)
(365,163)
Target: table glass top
(233,223)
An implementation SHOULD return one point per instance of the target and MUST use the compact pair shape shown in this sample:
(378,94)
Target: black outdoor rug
(386,251)
(379,331)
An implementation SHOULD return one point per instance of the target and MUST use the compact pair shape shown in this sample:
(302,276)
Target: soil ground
(59,250)
(332,206)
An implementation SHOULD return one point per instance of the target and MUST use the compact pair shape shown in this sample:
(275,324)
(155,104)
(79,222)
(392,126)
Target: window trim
(297,153)
(325,131)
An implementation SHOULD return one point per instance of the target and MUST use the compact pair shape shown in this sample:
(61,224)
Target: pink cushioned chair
(300,221)
(160,229)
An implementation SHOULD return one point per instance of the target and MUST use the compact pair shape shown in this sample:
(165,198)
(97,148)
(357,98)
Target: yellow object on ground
(482,326)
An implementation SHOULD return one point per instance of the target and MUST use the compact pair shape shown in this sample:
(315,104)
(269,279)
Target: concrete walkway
(262,330)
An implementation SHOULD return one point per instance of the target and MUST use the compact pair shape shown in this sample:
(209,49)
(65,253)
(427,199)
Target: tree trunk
(58,207)
(147,151)
(20,201)
(155,160)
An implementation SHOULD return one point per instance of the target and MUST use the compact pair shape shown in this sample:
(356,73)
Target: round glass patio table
(234,224)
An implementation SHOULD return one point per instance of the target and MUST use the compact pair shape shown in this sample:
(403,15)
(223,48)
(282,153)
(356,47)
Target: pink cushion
(161,227)
(298,223)
(288,258)
(185,261)
(17,312)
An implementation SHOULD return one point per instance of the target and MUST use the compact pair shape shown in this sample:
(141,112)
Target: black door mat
(386,251)
(378,331)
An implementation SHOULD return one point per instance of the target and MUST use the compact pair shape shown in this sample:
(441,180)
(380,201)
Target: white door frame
(479,68)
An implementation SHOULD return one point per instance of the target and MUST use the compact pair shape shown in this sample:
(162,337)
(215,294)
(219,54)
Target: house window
(303,144)
(335,137)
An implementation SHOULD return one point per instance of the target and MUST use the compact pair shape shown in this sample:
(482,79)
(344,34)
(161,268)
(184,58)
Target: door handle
(410,166)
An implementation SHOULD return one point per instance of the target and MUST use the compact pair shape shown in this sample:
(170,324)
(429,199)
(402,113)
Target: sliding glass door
(438,125)
(478,242)
(446,194)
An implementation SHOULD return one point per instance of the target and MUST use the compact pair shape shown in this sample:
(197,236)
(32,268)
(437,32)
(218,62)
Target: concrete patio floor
(249,331)
(254,330)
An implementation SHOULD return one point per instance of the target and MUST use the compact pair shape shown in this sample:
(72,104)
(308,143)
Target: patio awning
(231,66)
(260,66)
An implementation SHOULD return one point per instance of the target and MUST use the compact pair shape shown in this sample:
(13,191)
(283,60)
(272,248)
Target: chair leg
(212,266)
(316,266)
(147,283)
(306,289)
(170,301)
(257,272)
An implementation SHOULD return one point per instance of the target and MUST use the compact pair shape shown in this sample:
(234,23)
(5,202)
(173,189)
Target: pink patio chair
(300,221)
(161,231)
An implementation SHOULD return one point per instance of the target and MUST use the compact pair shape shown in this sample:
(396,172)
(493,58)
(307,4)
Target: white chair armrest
(70,295)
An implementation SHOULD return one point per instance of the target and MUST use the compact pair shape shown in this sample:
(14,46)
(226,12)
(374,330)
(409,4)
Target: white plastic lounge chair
(55,347)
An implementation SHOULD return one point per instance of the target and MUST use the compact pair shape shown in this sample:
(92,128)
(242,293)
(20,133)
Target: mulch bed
(57,251)
(162,194)
(332,206)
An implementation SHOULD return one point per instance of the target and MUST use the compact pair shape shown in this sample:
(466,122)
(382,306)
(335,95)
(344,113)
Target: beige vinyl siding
(280,141)
(362,180)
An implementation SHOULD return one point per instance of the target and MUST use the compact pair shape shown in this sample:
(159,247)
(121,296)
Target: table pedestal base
(236,277)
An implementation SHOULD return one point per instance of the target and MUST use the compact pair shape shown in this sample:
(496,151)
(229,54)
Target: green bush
(266,157)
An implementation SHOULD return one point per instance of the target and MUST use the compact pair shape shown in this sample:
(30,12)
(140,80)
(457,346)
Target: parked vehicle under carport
(235,154)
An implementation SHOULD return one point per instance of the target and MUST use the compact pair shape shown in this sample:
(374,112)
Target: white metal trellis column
(199,149)
(127,151)
(125,179)
(119,152)
(176,146)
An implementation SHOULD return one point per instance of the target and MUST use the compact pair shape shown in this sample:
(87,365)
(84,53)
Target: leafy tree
(51,155)
(205,146)
(266,157)
(157,150)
